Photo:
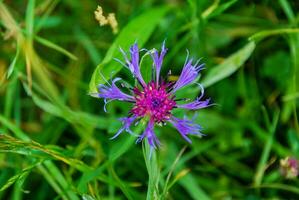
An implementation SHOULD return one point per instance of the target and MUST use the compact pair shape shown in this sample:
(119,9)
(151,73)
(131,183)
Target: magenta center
(153,101)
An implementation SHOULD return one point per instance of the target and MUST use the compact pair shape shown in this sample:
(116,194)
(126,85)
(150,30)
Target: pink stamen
(153,101)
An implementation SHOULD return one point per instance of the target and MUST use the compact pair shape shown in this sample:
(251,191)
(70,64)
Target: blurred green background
(54,140)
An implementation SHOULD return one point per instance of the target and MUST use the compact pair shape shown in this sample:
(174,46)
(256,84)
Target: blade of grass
(10,95)
(61,180)
(121,185)
(87,43)
(7,141)
(89,176)
(13,63)
(51,45)
(52,182)
(291,105)
(261,167)
(279,186)
(189,183)
(294,45)
(18,132)
(178,176)
(19,176)
(263,135)
(172,168)
(18,190)
(210,9)
(30,19)
(287,9)
(122,145)
(263,34)
(9,22)
(29,38)
(63,111)
(12,145)
(49,8)
(217,9)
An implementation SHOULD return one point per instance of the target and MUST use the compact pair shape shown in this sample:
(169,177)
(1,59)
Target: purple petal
(158,60)
(112,92)
(197,104)
(150,135)
(186,127)
(133,64)
(188,74)
(126,121)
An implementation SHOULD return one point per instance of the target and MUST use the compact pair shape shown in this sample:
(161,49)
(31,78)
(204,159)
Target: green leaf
(139,29)
(229,66)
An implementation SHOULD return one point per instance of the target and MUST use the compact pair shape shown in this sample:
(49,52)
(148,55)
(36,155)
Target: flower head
(111,20)
(155,100)
(289,167)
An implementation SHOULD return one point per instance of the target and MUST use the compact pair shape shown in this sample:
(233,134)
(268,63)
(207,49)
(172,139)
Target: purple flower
(155,100)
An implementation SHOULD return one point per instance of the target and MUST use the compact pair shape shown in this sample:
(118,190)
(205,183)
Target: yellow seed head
(111,20)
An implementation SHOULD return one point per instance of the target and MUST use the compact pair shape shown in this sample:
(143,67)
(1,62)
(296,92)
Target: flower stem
(153,170)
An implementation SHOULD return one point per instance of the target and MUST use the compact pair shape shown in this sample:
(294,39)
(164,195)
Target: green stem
(153,170)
